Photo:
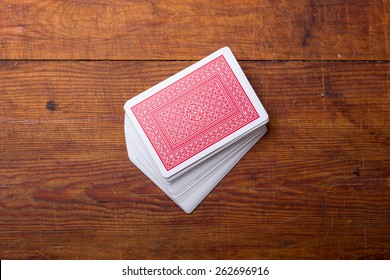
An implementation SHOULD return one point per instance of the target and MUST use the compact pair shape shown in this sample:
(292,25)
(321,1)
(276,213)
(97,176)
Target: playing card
(194,114)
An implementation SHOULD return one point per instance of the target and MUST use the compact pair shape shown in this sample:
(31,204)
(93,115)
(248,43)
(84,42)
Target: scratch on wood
(387,82)
(229,238)
(363,167)
(347,13)
(331,223)
(308,26)
(55,219)
(323,91)
(154,8)
(365,237)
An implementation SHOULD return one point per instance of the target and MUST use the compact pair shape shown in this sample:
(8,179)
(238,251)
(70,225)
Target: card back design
(194,112)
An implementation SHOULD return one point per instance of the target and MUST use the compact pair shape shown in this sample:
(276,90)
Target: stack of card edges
(187,132)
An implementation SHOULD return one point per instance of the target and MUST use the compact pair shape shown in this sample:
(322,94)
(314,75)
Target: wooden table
(317,186)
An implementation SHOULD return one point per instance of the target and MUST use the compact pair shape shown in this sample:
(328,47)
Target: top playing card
(200,108)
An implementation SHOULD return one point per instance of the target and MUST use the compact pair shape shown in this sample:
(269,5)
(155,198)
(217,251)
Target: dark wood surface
(316,186)
(188,30)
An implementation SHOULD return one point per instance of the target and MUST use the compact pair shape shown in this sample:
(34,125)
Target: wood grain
(317,186)
(190,30)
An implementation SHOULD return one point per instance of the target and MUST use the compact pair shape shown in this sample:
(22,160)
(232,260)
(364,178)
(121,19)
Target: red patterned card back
(195,112)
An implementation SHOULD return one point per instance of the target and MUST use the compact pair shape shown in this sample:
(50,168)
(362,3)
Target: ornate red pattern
(194,112)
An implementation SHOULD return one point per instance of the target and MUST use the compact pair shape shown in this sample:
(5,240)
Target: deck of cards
(187,132)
